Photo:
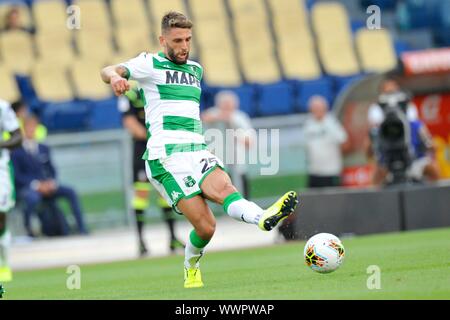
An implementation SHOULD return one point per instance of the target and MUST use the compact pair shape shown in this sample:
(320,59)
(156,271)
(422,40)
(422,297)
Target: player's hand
(119,85)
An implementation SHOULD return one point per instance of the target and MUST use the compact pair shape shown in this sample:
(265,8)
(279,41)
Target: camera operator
(400,141)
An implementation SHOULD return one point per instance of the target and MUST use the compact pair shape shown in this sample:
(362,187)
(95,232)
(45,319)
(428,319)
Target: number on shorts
(209,163)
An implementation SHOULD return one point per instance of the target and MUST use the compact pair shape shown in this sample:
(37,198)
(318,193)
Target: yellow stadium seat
(247,8)
(17,51)
(334,38)
(159,8)
(56,47)
(304,66)
(375,50)
(50,16)
(94,15)
(9,90)
(51,82)
(214,11)
(130,13)
(220,68)
(85,76)
(94,45)
(132,43)
(24,12)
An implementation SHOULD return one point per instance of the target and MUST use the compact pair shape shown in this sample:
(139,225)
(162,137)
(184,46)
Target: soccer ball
(324,253)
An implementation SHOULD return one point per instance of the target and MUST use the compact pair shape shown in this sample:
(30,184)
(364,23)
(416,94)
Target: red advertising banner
(430,61)
(434,111)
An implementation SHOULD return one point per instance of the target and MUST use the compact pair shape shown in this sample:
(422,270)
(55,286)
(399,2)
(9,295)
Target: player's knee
(207,230)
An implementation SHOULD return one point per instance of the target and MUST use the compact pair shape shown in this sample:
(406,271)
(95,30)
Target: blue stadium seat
(246,94)
(340,83)
(65,116)
(105,114)
(275,99)
(307,89)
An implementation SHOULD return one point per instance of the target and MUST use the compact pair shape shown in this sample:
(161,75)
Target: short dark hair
(173,19)
(17,105)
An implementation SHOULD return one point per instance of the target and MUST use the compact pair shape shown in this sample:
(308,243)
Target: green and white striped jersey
(172,103)
(8,123)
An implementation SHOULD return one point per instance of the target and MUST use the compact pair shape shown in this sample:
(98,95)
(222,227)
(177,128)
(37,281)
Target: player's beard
(173,57)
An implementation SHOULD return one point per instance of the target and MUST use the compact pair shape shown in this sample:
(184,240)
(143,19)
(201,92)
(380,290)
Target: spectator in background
(35,178)
(13,21)
(21,110)
(325,138)
(226,115)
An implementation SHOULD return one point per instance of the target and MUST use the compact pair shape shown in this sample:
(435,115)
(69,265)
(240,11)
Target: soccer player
(8,123)
(177,162)
(133,119)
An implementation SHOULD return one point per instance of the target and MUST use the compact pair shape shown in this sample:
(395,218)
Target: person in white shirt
(225,115)
(324,137)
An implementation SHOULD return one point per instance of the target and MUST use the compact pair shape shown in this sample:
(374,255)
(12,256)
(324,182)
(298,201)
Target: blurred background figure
(325,138)
(36,182)
(12,20)
(133,119)
(22,110)
(224,115)
(399,138)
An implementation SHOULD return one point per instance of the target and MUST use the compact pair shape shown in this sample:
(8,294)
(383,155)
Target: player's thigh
(199,215)
(217,186)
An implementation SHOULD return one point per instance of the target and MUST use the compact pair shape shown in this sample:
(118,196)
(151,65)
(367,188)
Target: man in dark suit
(35,178)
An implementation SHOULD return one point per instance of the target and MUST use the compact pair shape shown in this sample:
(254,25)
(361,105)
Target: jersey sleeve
(9,119)
(139,67)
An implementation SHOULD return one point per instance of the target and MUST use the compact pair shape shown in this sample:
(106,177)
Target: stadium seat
(275,99)
(24,12)
(104,114)
(220,69)
(247,97)
(17,51)
(256,50)
(56,10)
(307,89)
(9,89)
(86,79)
(66,116)
(94,38)
(290,21)
(50,82)
(95,14)
(95,45)
(56,47)
(130,14)
(334,38)
(376,51)
(132,43)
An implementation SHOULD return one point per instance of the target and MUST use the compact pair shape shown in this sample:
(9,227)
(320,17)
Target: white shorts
(180,175)
(7,191)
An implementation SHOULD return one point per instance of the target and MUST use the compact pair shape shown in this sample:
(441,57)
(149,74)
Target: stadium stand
(256,49)
(17,51)
(290,49)
(9,90)
(51,82)
(376,51)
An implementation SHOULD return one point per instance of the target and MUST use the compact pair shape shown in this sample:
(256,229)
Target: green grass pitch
(413,265)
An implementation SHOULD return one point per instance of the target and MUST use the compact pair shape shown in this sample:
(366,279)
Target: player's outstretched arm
(115,76)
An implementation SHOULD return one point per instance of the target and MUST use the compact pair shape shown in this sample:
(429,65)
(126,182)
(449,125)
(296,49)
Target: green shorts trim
(167,180)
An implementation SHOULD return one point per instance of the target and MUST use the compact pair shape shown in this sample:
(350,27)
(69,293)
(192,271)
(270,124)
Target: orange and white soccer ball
(324,253)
